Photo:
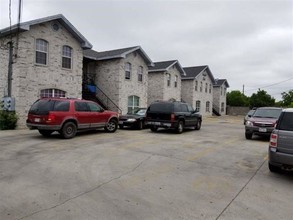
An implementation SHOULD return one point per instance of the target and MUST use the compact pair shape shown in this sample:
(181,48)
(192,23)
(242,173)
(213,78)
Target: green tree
(261,99)
(288,98)
(236,98)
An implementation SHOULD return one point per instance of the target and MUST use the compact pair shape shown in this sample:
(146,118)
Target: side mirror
(101,110)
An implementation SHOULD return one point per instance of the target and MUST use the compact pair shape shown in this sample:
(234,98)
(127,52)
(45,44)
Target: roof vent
(55,27)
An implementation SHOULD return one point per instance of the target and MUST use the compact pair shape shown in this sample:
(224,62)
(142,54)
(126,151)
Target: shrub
(8,120)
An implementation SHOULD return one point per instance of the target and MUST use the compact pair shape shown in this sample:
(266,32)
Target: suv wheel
(273,169)
(68,130)
(248,135)
(45,133)
(179,129)
(111,126)
(198,125)
(154,128)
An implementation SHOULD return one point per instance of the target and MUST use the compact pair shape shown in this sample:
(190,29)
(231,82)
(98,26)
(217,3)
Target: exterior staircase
(216,110)
(94,93)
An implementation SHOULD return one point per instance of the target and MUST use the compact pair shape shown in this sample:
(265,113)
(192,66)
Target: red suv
(67,116)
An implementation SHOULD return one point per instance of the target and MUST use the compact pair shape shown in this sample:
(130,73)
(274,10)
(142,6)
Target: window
(81,107)
(207,106)
(221,90)
(127,70)
(52,93)
(61,106)
(140,74)
(196,85)
(197,106)
(222,107)
(206,88)
(41,51)
(176,81)
(94,107)
(200,88)
(210,89)
(66,57)
(184,108)
(190,109)
(133,103)
(286,123)
(225,90)
(168,79)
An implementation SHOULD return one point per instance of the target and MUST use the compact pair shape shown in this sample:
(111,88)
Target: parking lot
(213,173)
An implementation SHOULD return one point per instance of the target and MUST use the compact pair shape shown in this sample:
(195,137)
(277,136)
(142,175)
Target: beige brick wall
(158,88)
(110,77)
(219,98)
(191,96)
(30,78)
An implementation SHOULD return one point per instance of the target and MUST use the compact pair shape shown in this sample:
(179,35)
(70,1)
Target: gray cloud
(247,42)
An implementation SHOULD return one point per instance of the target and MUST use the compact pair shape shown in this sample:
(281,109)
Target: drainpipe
(10,68)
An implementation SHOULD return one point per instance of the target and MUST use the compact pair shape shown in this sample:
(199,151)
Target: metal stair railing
(216,110)
(106,100)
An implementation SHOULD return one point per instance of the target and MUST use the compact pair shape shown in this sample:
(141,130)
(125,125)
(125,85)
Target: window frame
(208,106)
(38,50)
(127,69)
(196,85)
(52,93)
(135,103)
(64,56)
(168,79)
(197,106)
(222,106)
(140,74)
(176,81)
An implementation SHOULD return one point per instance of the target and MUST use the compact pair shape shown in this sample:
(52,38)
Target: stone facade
(158,87)
(203,94)
(110,78)
(220,98)
(30,78)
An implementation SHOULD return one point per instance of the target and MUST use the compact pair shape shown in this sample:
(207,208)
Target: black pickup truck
(172,115)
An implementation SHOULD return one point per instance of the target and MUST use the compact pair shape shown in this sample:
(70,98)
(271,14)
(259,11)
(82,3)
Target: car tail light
(273,140)
(51,118)
(172,117)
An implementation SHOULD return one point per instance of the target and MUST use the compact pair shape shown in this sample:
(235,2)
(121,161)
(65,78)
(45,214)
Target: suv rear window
(161,107)
(43,107)
(286,122)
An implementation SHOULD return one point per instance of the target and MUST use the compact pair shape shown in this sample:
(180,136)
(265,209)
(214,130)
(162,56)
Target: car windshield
(140,112)
(267,113)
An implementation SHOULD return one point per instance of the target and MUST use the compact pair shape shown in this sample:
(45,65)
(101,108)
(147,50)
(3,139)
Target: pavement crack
(88,191)
(241,190)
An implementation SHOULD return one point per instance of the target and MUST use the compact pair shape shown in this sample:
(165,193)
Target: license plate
(37,119)
(120,122)
(262,130)
(154,123)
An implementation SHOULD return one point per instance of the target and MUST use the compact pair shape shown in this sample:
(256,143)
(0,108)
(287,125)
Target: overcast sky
(247,42)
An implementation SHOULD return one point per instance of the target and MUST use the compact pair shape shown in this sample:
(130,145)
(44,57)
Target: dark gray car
(281,143)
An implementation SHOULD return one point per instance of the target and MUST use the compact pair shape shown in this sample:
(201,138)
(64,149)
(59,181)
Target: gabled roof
(25,26)
(194,71)
(116,54)
(165,66)
(220,82)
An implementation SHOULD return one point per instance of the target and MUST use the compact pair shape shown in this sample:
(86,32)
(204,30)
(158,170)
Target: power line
(261,87)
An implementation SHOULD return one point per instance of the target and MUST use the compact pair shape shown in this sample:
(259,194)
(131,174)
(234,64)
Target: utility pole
(243,89)
(10,68)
